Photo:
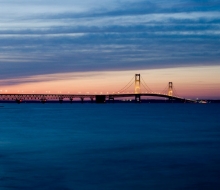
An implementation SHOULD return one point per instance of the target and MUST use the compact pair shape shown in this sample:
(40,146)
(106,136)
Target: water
(110,146)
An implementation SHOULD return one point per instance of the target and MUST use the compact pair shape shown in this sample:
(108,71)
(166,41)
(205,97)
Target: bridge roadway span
(99,98)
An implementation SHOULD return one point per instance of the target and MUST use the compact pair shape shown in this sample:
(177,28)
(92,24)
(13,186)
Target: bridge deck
(44,97)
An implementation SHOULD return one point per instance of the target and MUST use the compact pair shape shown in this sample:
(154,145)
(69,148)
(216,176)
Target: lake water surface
(109,146)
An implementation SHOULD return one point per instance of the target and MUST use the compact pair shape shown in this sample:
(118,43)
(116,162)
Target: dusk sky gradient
(98,45)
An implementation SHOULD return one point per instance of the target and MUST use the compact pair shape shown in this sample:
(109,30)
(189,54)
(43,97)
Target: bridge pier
(100,98)
(170,99)
(71,100)
(18,101)
(43,101)
(111,98)
(91,99)
(138,98)
(61,100)
(82,99)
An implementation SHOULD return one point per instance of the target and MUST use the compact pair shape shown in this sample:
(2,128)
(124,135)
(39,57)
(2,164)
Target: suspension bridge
(137,82)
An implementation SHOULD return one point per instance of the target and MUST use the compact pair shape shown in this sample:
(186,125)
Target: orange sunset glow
(191,82)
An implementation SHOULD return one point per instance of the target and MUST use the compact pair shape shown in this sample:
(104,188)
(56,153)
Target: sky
(98,45)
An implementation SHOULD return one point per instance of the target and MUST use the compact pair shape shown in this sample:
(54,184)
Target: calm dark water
(110,146)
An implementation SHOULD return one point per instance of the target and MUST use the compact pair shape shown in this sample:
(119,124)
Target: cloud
(48,78)
(46,37)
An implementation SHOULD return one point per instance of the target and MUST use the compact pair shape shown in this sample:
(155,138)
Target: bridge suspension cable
(165,90)
(145,85)
(148,89)
(175,91)
(127,85)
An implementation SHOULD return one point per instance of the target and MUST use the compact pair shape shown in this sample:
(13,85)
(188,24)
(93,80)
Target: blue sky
(49,36)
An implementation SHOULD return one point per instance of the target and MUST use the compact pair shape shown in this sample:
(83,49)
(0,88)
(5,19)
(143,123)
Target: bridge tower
(170,89)
(137,88)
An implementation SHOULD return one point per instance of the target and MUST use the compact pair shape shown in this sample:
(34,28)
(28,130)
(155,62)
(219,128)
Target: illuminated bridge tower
(137,88)
(170,89)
